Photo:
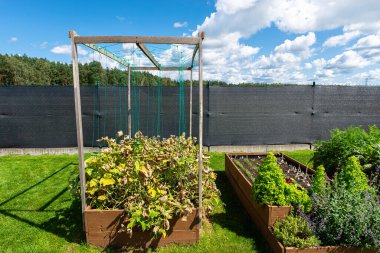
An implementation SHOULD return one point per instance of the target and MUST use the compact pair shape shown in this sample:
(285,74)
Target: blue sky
(296,41)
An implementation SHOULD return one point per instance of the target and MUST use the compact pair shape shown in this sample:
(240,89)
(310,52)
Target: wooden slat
(102,228)
(148,54)
(162,68)
(136,39)
(141,239)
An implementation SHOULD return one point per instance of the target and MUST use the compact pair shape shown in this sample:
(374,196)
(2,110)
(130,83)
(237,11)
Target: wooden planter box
(102,227)
(243,187)
(264,216)
(277,247)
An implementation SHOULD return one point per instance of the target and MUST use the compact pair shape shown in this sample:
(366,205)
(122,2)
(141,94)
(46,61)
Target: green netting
(114,104)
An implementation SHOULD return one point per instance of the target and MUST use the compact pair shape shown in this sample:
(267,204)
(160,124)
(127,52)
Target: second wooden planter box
(102,227)
(264,216)
(266,213)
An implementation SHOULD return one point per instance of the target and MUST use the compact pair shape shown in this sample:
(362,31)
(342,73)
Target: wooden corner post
(200,139)
(129,103)
(78,120)
(191,104)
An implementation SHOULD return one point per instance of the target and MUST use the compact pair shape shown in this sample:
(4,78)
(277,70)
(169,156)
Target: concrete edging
(74,150)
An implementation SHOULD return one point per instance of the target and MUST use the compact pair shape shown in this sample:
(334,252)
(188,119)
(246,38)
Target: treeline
(28,71)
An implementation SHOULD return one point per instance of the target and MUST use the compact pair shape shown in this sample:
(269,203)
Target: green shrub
(271,188)
(269,184)
(319,182)
(152,179)
(346,217)
(295,195)
(294,232)
(352,177)
(356,141)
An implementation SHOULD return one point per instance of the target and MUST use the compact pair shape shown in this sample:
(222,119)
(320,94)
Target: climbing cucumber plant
(152,179)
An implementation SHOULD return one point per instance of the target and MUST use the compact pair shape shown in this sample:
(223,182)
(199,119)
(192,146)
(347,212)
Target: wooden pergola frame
(140,41)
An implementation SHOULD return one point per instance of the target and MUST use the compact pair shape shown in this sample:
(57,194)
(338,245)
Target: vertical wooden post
(129,103)
(78,120)
(200,139)
(191,104)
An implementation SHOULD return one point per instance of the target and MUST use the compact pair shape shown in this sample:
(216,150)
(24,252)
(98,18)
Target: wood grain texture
(102,228)
(136,39)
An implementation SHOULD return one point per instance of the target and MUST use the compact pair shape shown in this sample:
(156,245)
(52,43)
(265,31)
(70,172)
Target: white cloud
(347,60)
(340,64)
(241,19)
(180,24)
(231,7)
(308,65)
(372,74)
(368,42)
(66,49)
(300,45)
(368,47)
(341,40)
(13,40)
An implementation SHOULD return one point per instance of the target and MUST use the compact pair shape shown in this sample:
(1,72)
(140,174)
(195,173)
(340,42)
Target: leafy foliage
(319,183)
(345,215)
(333,153)
(269,185)
(294,232)
(246,172)
(352,176)
(152,179)
(295,195)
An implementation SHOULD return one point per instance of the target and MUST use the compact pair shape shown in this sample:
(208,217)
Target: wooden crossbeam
(148,54)
(108,54)
(162,68)
(135,39)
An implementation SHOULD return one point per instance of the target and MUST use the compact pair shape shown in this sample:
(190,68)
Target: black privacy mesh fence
(45,116)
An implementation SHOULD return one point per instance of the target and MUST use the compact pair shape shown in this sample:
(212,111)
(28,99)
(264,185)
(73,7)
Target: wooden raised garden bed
(243,187)
(264,216)
(102,227)
(277,247)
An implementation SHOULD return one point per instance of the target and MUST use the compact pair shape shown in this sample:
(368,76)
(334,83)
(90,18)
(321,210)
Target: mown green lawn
(38,214)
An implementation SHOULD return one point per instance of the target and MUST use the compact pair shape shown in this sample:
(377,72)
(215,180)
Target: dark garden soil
(290,170)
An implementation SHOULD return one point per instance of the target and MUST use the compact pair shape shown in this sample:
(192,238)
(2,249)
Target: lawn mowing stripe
(40,182)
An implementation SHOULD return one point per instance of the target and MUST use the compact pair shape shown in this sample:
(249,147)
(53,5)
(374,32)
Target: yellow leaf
(93,183)
(162,192)
(91,191)
(152,192)
(102,197)
(107,175)
(107,181)
(137,166)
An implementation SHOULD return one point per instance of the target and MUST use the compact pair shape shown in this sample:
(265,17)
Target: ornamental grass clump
(152,179)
